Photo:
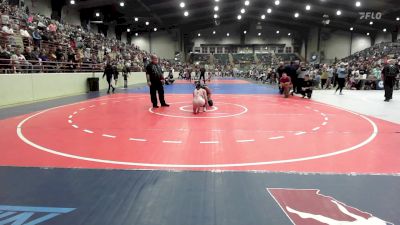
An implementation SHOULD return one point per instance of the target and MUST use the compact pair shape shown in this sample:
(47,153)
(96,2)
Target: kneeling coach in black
(306,87)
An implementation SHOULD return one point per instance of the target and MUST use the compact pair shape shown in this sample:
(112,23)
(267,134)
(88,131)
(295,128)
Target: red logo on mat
(309,207)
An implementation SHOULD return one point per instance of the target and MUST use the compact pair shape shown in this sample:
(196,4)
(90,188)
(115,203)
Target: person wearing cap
(389,74)
(155,80)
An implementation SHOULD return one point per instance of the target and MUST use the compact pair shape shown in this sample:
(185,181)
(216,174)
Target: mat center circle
(189,108)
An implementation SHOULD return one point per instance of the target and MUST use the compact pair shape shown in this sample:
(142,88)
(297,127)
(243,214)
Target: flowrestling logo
(23,215)
(370,15)
(309,207)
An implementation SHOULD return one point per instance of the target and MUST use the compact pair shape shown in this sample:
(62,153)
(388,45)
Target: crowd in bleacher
(243,58)
(32,42)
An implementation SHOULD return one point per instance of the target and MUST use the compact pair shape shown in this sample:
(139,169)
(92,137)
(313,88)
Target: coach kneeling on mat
(155,80)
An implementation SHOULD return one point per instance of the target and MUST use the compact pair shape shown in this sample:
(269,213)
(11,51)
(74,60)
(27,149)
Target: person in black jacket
(155,80)
(108,73)
(307,87)
(389,73)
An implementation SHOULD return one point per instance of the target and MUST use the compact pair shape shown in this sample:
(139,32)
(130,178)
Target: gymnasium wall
(268,35)
(71,15)
(25,88)
(142,41)
(162,43)
(42,7)
(337,43)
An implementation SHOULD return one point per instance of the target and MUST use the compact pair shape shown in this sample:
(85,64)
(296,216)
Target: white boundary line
(172,142)
(342,151)
(108,136)
(245,141)
(137,139)
(275,138)
(209,142)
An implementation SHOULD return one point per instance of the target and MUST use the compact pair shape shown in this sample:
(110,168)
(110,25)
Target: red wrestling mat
(215,82)
(242,132)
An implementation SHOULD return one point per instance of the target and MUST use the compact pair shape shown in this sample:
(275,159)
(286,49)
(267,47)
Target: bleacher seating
(221,59)
(247,58)
(265,58)
(287,57)
(199,58)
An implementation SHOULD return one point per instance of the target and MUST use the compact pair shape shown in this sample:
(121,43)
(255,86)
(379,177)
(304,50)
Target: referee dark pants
(203,76)
(154,88)
(388,84)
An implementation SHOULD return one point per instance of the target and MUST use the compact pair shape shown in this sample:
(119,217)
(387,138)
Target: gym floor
(253,158)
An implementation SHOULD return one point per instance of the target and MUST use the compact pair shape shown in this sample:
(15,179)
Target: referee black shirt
(155,73)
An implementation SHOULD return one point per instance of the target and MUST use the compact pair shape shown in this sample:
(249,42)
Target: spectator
(59,53)
(389,73)
(342,73)
(37,37)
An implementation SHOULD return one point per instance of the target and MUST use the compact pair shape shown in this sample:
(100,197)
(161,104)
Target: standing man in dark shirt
(307,87)
(291,71)
(108,73)
(389,73)
(202,74)
(155,80)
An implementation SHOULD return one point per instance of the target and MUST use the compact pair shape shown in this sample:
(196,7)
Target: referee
(155,80)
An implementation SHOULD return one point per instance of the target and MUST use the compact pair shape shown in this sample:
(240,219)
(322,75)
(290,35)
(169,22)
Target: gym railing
(9,66)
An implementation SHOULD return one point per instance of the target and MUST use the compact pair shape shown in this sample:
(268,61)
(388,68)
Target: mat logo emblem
(23,215)
(309,207)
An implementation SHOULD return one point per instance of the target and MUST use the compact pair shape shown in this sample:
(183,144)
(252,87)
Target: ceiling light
(215,16)
(136,19)
(371,23)
(182,5)
(136,34)
(239,17)
(351,28)
(72,2)
(296,15)
(308,7)
(277,2)
(97,14)
(155,29)
(216,0)
(384,29)
(338,12)
(216,8)
(122,4)
(214,32)
(128,30)
(198,35)
(358,3)
(289,34)
(227,34)
(242,11)
(398,18)
(269,10)
(277,31)
(147,23)
(263,17)
(259,34)
(186,13)
(247,2)
(245,32)
(368,33)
